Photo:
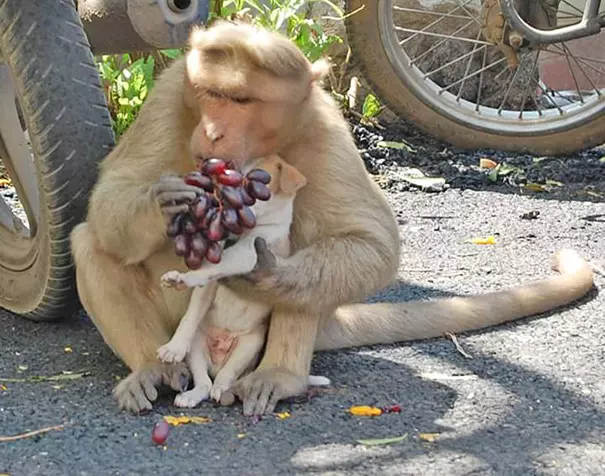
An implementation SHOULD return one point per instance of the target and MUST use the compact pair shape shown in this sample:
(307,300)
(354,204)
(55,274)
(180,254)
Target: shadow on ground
(517,420)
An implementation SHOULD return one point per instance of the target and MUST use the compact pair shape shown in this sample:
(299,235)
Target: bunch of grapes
(221,211)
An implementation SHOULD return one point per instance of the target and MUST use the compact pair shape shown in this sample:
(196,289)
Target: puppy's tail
(382,323)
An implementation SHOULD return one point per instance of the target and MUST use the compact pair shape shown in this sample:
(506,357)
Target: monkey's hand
(136,392)
(262,389)
(264,276)
(173,195)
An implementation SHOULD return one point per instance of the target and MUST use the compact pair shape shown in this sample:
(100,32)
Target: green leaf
(396,145)
(383,441)
(172,53)
(371,106)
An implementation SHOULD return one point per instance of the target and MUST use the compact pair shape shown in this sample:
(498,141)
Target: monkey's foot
(262,389)
(191,398)
(173,279)
(136,392)
(173,352)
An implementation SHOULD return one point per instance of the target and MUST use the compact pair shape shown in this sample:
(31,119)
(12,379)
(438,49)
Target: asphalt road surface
(531,400)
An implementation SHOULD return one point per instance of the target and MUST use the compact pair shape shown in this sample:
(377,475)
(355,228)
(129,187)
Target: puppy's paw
(173,352)
(173,279)
(192,398)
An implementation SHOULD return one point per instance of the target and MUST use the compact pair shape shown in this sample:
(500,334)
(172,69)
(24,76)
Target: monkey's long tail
(382,323)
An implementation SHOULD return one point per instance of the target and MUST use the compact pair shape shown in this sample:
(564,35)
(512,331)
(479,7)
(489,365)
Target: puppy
(221,334)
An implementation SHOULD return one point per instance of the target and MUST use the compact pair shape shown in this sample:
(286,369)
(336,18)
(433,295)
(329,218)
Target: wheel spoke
(16,156)
(436,22)
(450,63)
(528,84)
(468,67)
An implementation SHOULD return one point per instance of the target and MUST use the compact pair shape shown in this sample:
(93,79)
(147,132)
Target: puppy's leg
(242,357)
(180,343)
(239,259)
(198,365)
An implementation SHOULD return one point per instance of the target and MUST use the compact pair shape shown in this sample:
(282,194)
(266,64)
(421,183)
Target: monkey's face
(237,128)
(248,88)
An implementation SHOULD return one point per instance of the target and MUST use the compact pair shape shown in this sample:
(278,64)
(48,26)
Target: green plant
(127,82)
(287,16)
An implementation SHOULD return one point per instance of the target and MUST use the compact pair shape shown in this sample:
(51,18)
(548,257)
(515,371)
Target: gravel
(530,401)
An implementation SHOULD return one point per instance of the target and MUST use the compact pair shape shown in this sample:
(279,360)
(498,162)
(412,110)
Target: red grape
(198,179)
(199,244)
(176,225)
(231,221)
(200,206)
(189,225)
(247,217)
(258,190)
(182,245)
(194,260)
(246,198)
(160,432)
(214,253)
(214,166)
(233,196)
(222,210)
(259,175)
(216,230)
(230,177)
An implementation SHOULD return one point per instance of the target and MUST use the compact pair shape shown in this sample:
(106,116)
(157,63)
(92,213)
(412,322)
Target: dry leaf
(3,387)
(68,350)
(283,415)
(5,182)
(241,435)
(382,441)
(365,410)
(486,163)
(183,420)
(430,437)
(57,387)
(23,368)
(535,187)
(490,240)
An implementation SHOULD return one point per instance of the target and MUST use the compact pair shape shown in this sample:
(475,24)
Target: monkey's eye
(241,100)
(214,94)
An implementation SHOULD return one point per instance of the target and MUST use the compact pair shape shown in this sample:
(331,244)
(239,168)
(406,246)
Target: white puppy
(222,334)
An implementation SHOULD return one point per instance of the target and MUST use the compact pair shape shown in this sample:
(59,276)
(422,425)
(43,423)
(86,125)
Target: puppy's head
(285,179)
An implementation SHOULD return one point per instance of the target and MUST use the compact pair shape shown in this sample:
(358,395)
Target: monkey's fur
(242,93)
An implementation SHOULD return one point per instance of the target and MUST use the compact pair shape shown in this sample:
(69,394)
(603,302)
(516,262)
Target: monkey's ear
(319,69)
(290,178)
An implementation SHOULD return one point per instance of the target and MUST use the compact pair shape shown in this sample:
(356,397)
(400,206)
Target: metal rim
(482,118)
(19,238)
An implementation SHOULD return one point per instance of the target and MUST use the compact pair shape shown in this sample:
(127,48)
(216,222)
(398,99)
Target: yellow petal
(430,437)
(490,240)
(283,416)
(68,350)
(365,410)
(183,420)
(199,420)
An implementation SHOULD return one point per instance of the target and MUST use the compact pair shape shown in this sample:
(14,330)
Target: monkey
(221,334)
(238,93)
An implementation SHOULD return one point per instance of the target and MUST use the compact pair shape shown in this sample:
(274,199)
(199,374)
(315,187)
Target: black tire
(364,36)
(60,95)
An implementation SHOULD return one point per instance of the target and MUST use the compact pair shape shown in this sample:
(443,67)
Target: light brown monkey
(221,334)
(239,93)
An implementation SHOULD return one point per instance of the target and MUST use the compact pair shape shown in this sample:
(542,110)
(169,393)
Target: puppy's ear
(290,178)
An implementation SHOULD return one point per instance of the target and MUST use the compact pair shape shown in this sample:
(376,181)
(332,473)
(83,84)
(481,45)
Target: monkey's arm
(327,274)
(129,216)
